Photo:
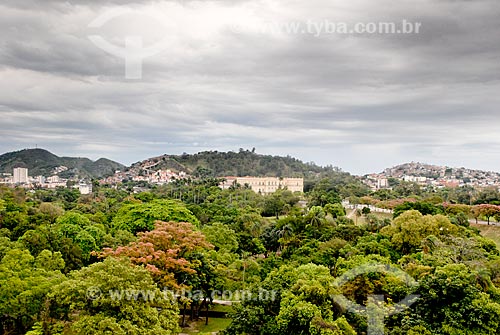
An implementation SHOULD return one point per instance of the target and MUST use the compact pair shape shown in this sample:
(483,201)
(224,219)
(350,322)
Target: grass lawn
(214,325)
(491,232)
(221,308)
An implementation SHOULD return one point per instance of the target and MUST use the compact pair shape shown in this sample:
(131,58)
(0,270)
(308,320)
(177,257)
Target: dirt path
(351,214)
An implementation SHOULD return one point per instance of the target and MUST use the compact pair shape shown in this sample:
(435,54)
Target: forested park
(189,257)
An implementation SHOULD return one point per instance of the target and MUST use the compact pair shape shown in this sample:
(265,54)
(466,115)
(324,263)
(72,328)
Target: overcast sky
(231,74)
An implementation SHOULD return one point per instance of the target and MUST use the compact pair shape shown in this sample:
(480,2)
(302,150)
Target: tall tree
(165,251)
(111,297)
(24,282)
(410,228)
(140,217)
(486,211)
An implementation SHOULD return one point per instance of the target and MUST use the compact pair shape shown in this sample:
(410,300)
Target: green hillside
(248,163)
(242,163)
(43,162)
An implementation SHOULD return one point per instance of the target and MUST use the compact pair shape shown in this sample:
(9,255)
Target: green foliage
(338,327)
(51,210)
(408,230)
(296,315)
(315,219)
(335,210)
(325,192)
(488,196)
(77,227)
(303,305)
(73,219)
(453,302)
(24,282)
(249,244)
(139,217)
(406,189)
(294,257)
(112,297)
(245,163)
(51,237)
(277,203)
(372,245)
(486,211)
(328,252)
(2,206)
(221,236)
(423,207)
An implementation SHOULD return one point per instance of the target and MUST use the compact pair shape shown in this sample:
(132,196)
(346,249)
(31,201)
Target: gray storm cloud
(359,101)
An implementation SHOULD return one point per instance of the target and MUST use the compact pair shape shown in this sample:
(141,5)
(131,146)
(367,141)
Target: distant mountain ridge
(43,162)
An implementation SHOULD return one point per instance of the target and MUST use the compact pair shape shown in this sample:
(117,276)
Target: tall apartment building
(266,185)
(20,176)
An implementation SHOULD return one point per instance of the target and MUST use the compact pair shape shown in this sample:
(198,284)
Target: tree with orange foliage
(168,252)
(486,211)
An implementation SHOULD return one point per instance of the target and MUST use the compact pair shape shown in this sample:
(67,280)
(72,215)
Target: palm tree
(315,217)
(284,234)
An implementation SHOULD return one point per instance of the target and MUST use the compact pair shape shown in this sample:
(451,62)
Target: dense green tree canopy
(139,217)
(111,297)
(190,234)
(24,282)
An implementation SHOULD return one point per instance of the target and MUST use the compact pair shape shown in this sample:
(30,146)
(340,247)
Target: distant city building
(145,173)
(376,182)
(53,179)
(40,180)
(415,179)
(265,185)
(20,176)
(382,183)
(54,182)
(85,188)
(59,169)
(427,175)
(6,178)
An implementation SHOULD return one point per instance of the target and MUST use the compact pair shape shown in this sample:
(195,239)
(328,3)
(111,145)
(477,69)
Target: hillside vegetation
(43,162)
(242,163)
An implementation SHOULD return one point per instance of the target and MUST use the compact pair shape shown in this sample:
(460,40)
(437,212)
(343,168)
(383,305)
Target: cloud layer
(230,75)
